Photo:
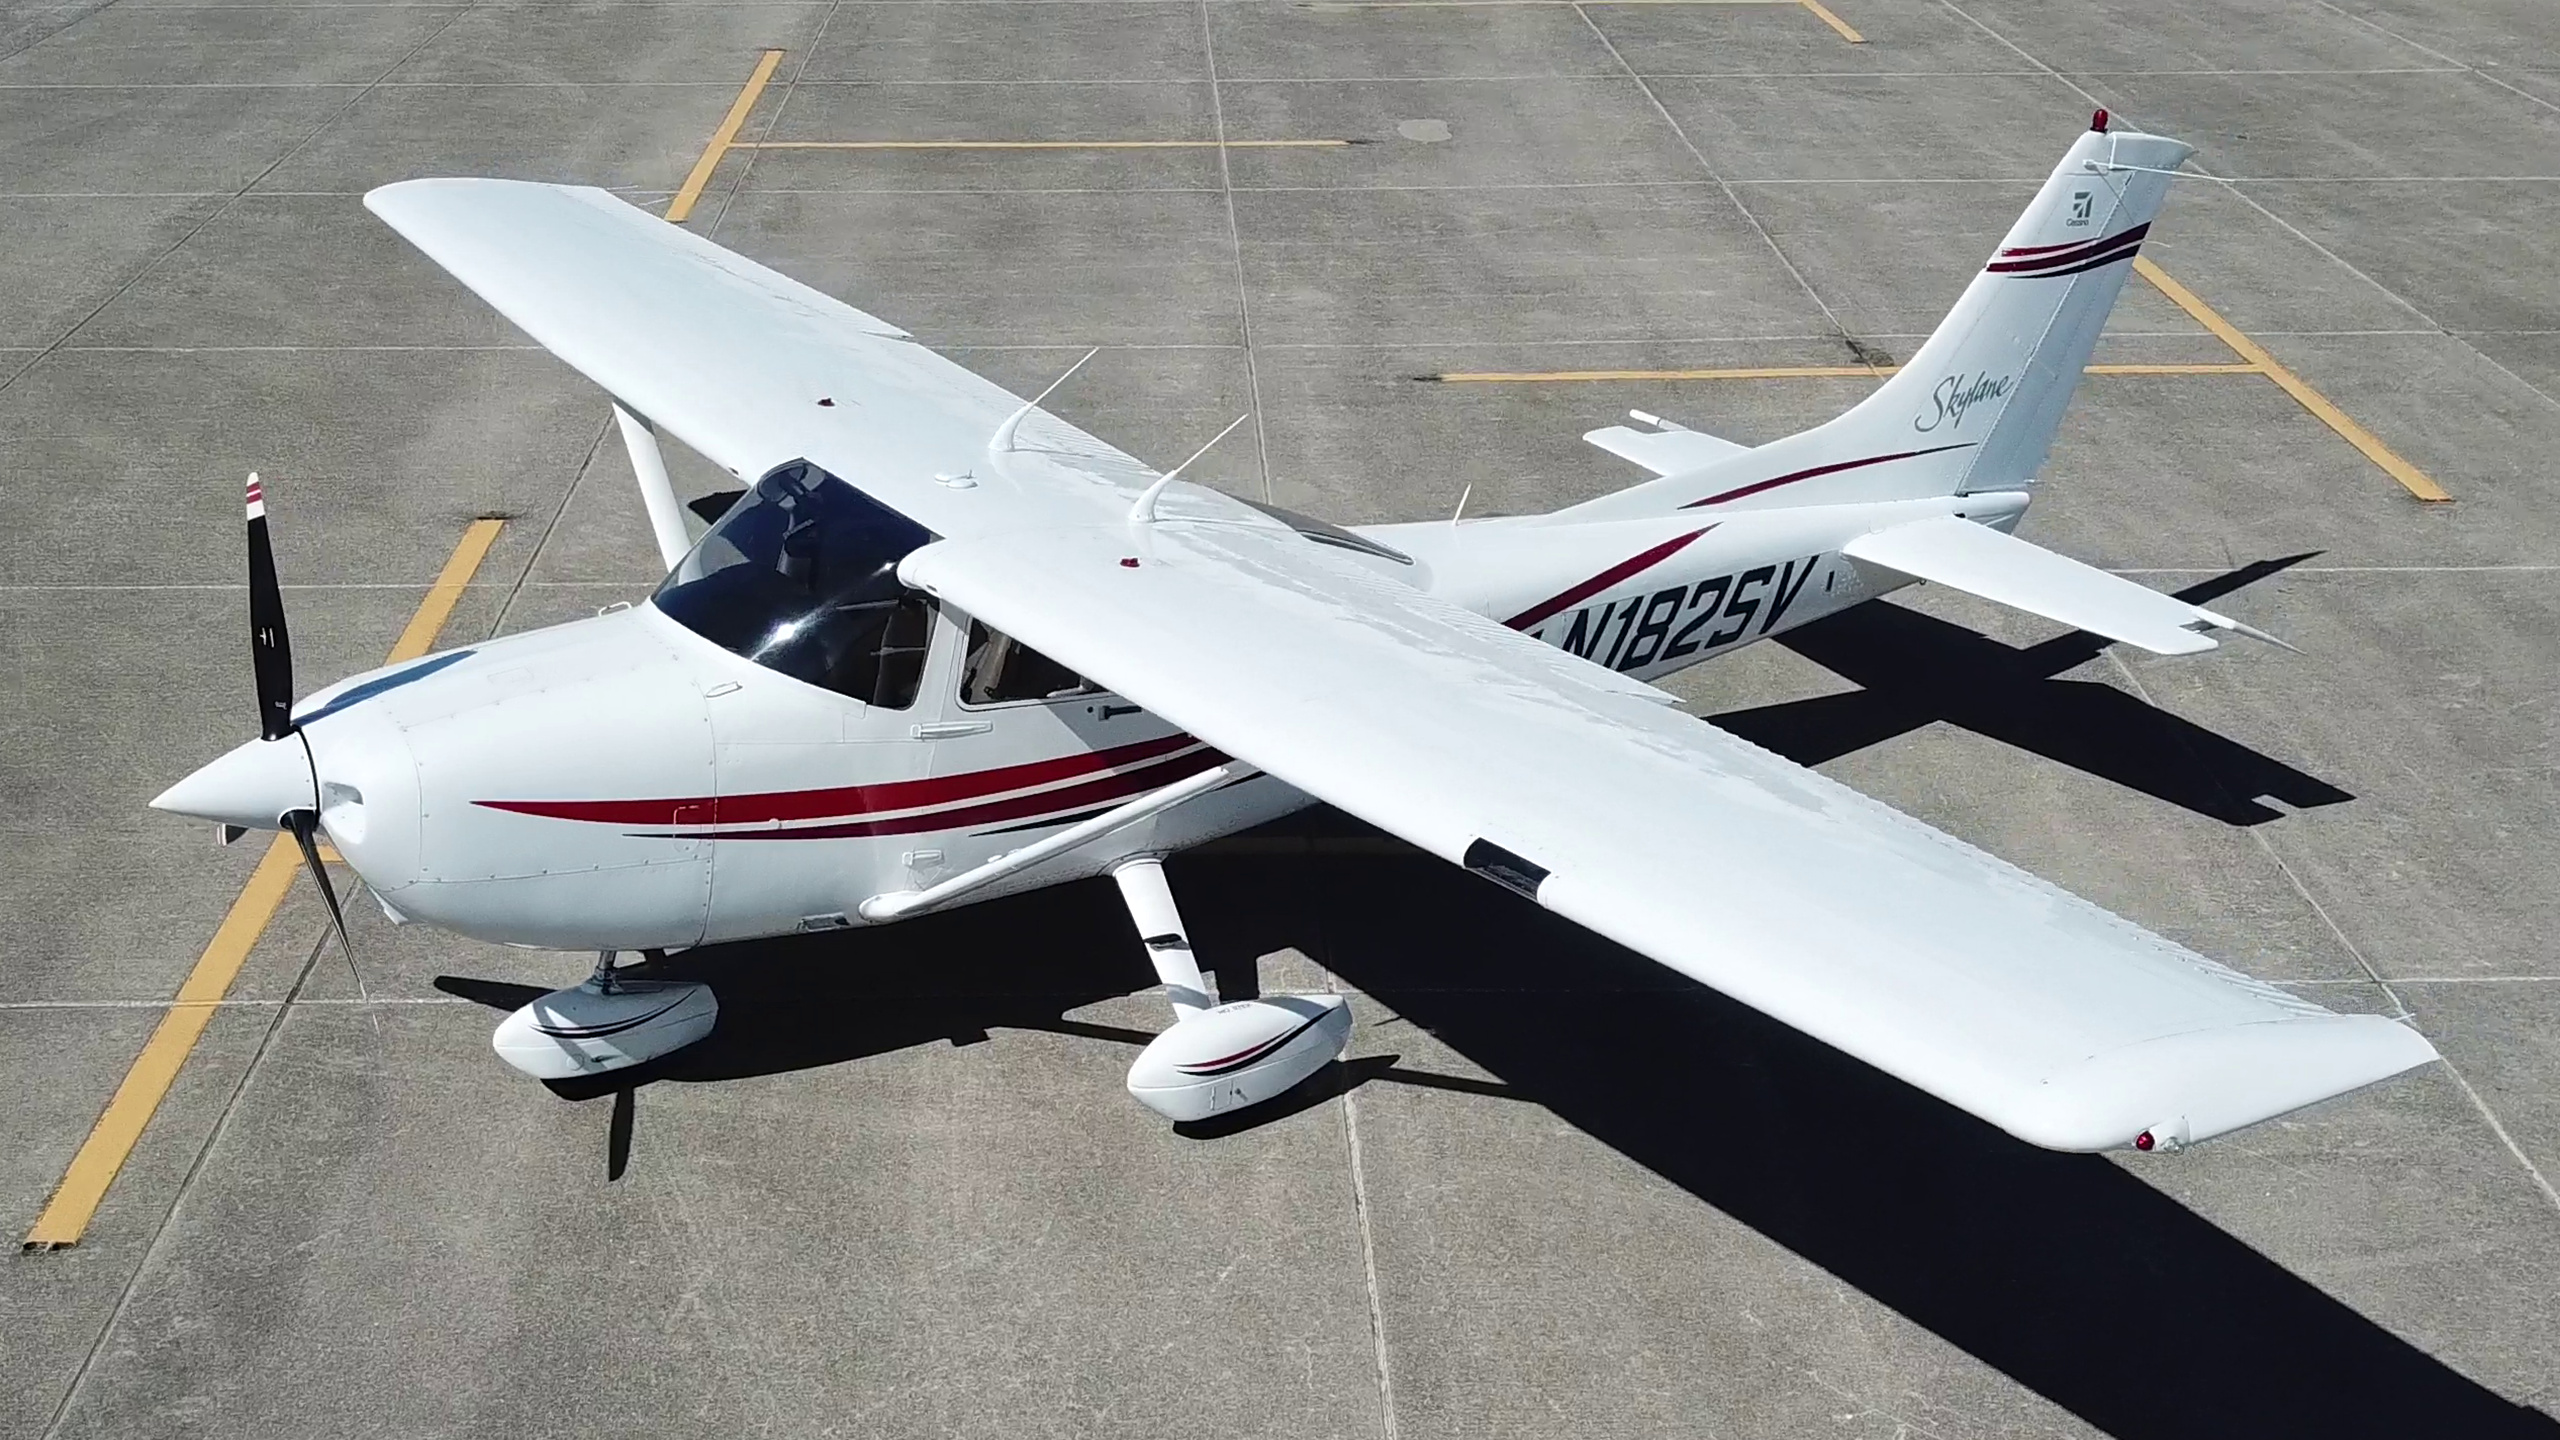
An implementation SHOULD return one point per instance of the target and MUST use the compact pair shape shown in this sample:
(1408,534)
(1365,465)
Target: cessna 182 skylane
(945,646)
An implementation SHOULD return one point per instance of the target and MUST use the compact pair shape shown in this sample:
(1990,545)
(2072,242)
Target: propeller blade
(306,833)
(617,1142)
(270,650)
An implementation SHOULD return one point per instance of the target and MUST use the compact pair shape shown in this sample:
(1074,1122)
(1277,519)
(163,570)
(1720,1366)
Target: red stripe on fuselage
(1632,565)
(1072,798)
(846,800)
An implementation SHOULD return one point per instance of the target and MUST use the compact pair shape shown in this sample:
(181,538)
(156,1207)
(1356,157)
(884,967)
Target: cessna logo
(1955,395)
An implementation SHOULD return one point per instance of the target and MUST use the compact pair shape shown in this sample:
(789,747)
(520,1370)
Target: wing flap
(2025,576)
(1921,955)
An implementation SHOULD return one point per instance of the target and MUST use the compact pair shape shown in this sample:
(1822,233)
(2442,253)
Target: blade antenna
(1145,510)
(305,827)
(1002,441)
(1460,513)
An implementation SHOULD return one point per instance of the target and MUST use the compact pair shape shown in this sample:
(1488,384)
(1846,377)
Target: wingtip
(2225,622)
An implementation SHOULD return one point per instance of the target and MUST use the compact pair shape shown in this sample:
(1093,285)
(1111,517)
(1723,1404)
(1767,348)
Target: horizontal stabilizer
(2024,576)
(1666,449)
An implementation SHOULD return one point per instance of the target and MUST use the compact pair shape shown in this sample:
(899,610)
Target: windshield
(801,576)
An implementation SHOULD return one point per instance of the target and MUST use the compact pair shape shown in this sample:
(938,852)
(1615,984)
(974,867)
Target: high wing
(746,365)
(1960,973)
(1921,955)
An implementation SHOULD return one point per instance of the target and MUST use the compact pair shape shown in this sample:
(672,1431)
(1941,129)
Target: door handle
(950,729)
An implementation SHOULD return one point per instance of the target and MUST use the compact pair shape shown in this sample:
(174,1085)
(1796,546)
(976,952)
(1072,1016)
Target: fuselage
(706,767)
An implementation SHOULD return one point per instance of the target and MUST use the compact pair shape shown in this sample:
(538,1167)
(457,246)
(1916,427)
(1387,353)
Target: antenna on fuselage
(1002,441)
(1144,511)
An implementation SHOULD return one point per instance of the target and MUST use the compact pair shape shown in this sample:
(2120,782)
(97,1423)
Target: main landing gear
(607,1023)
(1217,1058)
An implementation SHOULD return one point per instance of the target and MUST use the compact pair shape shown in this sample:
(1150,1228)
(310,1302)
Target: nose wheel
(606,1023)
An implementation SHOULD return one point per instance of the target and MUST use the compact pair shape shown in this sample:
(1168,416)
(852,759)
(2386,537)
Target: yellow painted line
(447,591)
(1490,4)
(1036,144)
(1823,13)
(2411,478)
(84,1185)
(1784,372)
(723,140)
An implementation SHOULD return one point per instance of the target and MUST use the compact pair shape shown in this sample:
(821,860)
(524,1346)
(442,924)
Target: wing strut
(899,904)
(657,492)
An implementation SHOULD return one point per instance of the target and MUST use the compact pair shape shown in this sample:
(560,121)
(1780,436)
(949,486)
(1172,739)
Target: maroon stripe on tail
(2123,252)
(1633,564)
(2055,262)
(2041,249)
(1789,479)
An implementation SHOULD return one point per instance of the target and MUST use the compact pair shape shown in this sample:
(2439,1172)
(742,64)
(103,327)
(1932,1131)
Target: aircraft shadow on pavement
(1915,669)
(2065,1272)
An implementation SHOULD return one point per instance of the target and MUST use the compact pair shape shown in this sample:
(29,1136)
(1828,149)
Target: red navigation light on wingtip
(2143,1141)
(2098,122)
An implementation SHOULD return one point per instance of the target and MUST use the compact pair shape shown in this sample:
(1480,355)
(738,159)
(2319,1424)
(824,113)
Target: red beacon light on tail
(2098,122)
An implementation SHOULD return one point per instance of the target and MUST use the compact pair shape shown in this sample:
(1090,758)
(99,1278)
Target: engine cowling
(586,1031)
(1239,1054)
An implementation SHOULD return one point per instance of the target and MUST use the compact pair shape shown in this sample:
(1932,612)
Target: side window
(1000,670)
(896,663)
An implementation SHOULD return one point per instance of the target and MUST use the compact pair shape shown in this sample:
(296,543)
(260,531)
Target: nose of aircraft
(251,786)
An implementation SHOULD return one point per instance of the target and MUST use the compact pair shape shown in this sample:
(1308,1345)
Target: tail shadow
(1914,670)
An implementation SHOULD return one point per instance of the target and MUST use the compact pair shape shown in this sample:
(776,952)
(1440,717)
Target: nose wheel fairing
(1219,1058)
(605,1024)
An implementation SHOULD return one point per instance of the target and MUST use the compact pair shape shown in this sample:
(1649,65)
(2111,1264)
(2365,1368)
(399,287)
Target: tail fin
(1978,406)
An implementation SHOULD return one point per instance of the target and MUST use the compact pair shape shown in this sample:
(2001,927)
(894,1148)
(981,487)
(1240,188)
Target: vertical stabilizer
(1977,407)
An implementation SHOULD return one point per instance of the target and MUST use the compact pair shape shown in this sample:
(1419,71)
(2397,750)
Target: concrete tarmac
(1557,1191)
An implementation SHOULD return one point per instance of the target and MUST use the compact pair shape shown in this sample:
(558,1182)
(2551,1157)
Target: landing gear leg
(1215,1057)
(601,980)
(1160,929)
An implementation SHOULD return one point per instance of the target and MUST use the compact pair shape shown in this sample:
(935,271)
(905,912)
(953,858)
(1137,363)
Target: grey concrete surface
(1556,1191)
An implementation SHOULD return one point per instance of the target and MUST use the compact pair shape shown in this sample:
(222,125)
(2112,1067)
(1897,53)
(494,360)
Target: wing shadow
(2066,1273)
(1914,670)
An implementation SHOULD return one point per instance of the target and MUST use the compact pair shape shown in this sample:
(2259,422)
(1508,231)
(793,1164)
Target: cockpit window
(1000,670)
(801,576)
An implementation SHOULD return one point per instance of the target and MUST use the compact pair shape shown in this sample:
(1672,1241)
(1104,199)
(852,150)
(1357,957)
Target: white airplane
(945,647)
